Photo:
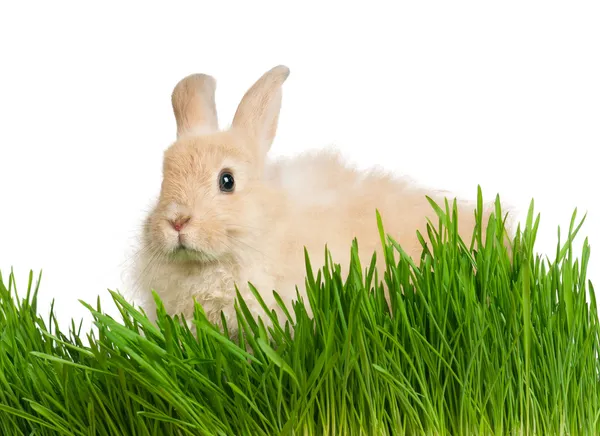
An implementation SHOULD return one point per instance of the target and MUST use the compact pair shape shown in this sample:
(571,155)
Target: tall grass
(477,339)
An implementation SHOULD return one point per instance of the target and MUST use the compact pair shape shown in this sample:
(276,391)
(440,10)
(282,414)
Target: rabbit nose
(179,222)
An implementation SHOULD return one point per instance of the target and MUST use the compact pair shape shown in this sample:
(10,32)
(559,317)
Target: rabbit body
(202,240)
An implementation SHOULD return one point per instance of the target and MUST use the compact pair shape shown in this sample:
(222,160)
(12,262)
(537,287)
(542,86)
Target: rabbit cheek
(210,237)
(164,236)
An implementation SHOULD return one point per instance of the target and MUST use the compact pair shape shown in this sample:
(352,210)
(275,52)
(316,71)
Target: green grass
(479,340)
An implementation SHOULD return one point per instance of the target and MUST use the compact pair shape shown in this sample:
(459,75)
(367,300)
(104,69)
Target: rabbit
(227,215)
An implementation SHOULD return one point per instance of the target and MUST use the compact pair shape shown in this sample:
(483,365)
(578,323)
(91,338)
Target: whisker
(137,253)
(242,243)
(156,256)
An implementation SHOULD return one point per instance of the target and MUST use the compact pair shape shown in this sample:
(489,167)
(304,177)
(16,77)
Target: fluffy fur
(258,233)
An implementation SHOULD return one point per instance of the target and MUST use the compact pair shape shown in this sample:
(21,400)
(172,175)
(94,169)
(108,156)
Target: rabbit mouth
(183,253)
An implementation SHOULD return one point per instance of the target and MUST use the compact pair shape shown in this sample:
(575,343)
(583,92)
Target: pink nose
(179,223)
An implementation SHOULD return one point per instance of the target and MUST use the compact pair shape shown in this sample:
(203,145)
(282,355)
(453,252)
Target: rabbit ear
(258,112)
(193,101)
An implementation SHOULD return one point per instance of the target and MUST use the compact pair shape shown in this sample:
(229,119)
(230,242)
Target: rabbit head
(212,195)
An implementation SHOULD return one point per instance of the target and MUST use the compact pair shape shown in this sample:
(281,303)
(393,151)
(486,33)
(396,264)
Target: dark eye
(226,181)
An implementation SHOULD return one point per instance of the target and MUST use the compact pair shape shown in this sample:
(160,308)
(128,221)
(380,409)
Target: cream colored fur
(258,233)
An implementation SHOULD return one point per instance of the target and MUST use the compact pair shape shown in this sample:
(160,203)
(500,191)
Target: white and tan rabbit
(227,216)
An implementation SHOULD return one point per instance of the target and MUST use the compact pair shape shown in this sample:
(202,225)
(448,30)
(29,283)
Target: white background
(452,94)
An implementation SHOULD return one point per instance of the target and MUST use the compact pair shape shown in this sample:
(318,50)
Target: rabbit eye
(226,181)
